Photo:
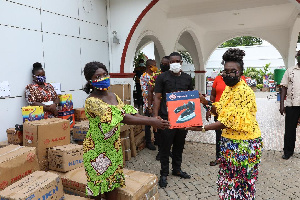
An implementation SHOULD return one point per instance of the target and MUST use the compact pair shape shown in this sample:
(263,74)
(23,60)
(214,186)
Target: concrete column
(200,81)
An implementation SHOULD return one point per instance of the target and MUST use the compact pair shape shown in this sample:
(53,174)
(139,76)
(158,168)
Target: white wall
(62,35)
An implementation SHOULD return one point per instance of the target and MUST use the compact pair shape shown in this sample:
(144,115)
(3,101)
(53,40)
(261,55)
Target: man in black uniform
(173,80)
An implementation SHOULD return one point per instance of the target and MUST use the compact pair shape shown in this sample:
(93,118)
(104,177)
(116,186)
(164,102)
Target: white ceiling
(217,15)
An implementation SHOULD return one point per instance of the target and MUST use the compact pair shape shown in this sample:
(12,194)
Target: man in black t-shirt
(173,80)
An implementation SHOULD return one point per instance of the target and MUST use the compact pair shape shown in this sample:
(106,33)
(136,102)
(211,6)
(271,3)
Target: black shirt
(167,82)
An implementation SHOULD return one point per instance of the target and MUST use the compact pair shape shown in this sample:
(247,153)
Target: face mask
(231,81)
(164,68)
(154,68)
(175,67)
(40,79)
(101,84)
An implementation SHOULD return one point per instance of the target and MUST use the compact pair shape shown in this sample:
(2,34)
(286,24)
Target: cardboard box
(126,148)
(14,137)
(75,179)
(138,128)
(69,115)
(4,144)
(132,143)
(123,91)
(72,197)
(38,185)
(65,102)
(44,134)
(125,131)
(65,158)
(32,113)
(184,109)
(139,186)
(140,138)
(73,192)
(80,130)
(80,114)
(16,162)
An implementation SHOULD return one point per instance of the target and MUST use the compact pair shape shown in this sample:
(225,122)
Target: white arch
(194,50)
(240,35)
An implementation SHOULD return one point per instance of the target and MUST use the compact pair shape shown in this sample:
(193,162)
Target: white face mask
(175,67)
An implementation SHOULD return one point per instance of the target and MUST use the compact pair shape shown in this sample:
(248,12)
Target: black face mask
(231,81)
(164,68)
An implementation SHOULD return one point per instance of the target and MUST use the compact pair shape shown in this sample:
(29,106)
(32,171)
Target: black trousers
(292,115)
(218,141)
(169,137)
(147,129)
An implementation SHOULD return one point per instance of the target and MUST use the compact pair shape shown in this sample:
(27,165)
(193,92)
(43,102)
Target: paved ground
(278,178)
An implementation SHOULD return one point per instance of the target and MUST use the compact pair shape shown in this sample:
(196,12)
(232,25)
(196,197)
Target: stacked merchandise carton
(16,162)
(38,185)
(80,114)
(44,134)
(123,91)
(65,158)
(65,108)
(125,141)
(139,137)
(14,136)
(80,130)
(139,185)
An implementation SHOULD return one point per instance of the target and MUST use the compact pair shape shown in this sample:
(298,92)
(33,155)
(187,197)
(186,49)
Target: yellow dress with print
(237,111)
(103,157)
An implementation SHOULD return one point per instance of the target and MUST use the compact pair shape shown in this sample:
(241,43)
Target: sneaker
(181,174)
(158,156)
(285,157)
(151,146)
(163,181)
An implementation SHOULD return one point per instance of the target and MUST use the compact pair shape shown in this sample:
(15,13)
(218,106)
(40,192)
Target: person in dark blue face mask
(40,93)
(103,157)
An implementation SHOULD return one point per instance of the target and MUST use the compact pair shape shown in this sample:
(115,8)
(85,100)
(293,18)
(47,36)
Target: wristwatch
(203,129)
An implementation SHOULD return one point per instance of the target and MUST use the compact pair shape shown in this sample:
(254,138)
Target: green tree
(186,56)
(242,41)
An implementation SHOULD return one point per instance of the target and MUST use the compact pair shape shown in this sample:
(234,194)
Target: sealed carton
(4,144)
(16,162)
(72,197)
(80,130)
(80,114)
(38,185)
(123,91)
(184,109)
(140,138)
(73,192)
(65,158)
(137,129)
(65,102)
(139,186)
(14,136)
(68,115)
(75,179)
(44,134)
(32,113)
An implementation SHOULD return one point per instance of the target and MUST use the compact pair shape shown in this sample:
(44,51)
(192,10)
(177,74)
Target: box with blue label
(32,113)
(80,130)
(38,185)
(65,158)
(184,109)
(65,102)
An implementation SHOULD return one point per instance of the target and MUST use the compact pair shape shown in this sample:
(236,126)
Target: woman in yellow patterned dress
(241,142)
(103,157)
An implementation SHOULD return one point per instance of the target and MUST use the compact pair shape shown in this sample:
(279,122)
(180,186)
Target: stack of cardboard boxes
(80,130)
(44,134)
